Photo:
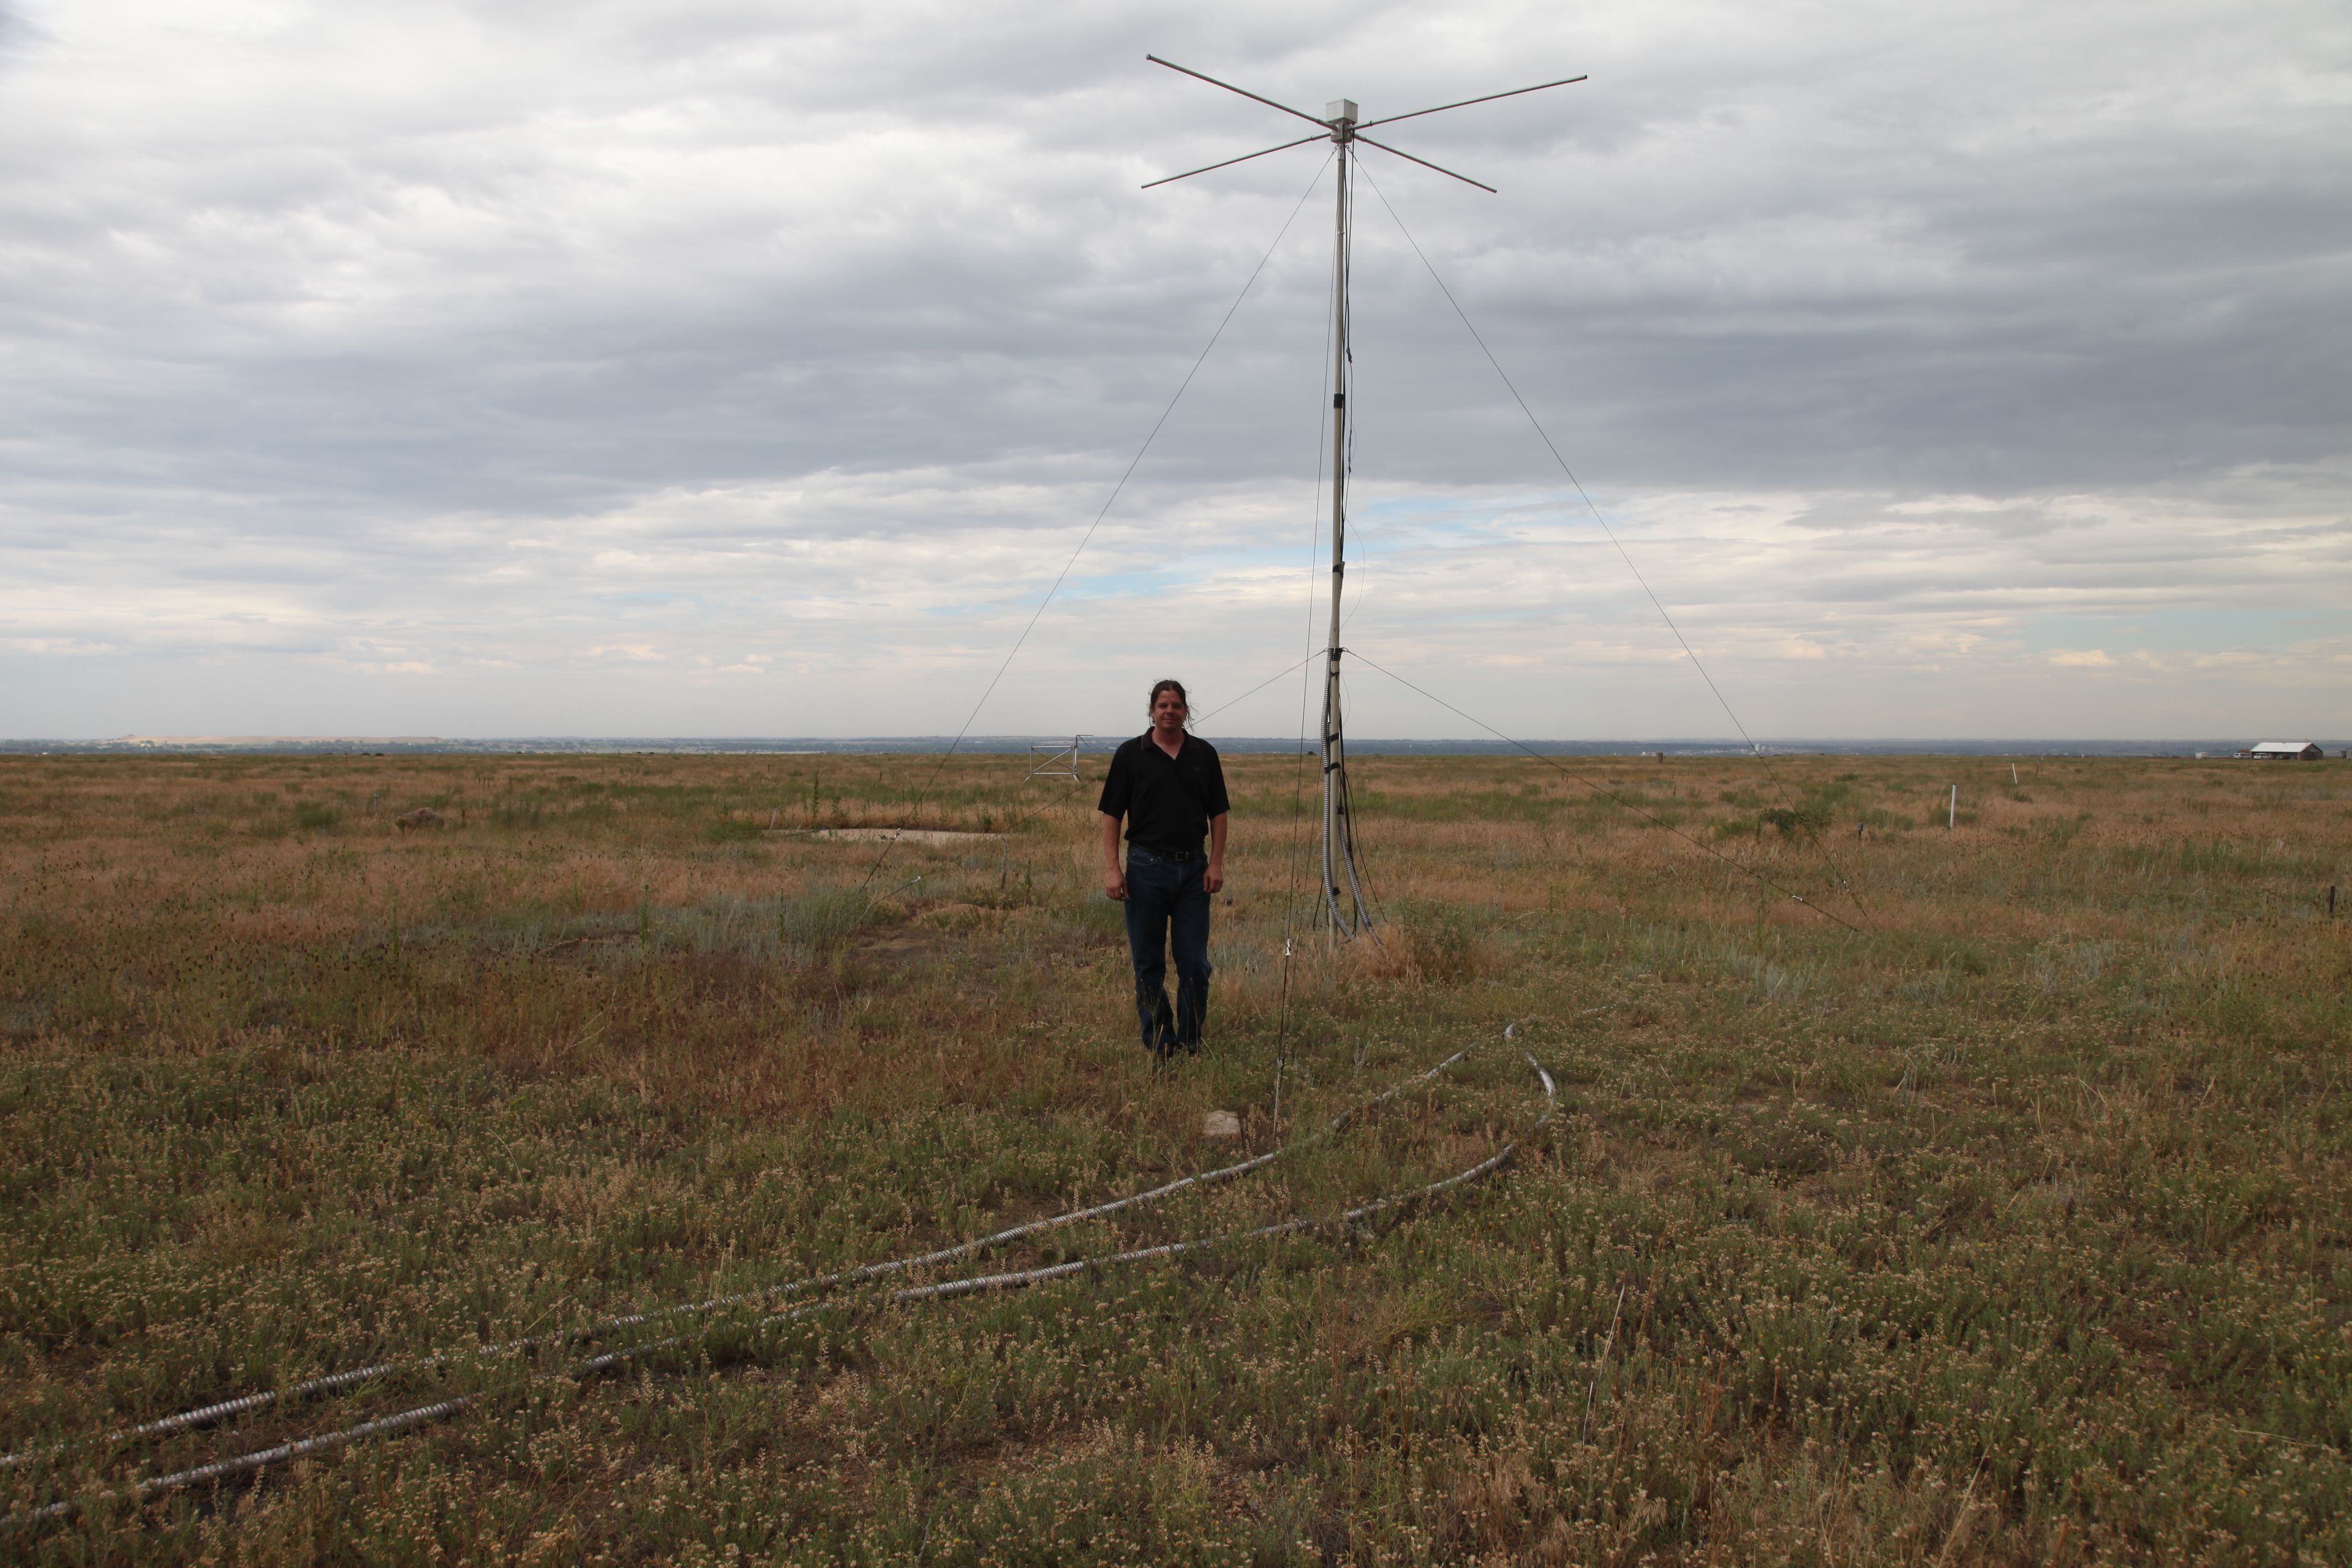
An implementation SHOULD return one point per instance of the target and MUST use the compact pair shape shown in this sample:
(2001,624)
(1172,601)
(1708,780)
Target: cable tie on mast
(1338,400)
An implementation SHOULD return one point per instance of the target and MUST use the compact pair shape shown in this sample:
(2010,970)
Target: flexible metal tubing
(401,1421)
(164,1427)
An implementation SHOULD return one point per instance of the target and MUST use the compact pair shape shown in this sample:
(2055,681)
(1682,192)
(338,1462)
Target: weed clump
(730,830)
(1429,947)
(1808,817)
(316,816)
(822,921)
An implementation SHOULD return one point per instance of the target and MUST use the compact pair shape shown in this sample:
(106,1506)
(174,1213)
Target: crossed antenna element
(1343,888)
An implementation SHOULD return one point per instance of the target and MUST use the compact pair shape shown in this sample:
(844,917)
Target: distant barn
(2285,752)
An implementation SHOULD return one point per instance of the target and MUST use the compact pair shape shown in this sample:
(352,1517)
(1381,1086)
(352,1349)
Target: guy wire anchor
(1341,124)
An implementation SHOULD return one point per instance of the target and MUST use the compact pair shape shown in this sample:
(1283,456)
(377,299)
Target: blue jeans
(1168,906)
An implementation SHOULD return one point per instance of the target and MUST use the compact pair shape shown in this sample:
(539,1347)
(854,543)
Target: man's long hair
(1175,685)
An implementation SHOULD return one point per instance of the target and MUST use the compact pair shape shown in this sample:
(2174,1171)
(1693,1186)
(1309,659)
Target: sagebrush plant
(2011,1229)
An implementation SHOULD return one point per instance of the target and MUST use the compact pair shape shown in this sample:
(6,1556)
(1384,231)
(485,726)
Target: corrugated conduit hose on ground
(244,1464)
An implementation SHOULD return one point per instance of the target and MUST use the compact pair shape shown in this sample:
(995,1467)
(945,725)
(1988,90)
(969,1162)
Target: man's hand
(1114,878)
(1213,880)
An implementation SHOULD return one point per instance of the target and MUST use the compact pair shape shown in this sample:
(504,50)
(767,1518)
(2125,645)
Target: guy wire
(1261,685)
(1035,812)
(1604,790)
(1655,602)
(1110,501)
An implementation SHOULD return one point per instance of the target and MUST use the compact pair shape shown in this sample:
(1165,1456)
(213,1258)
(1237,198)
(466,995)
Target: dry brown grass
(2014,1229)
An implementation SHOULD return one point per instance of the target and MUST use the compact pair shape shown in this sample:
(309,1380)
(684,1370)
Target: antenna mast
(1346,907)
(1343,891)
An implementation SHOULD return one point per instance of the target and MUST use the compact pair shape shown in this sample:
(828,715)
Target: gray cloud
(498,368)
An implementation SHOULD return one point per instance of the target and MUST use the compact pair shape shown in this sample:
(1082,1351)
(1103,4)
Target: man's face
(1168,713)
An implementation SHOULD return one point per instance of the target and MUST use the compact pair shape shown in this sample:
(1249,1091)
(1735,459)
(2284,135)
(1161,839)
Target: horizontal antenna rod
(1245,92)
(1425,163)
(1229,163)
(1443,107)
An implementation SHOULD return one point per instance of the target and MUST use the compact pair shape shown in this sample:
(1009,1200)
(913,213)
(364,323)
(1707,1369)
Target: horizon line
(1092,742)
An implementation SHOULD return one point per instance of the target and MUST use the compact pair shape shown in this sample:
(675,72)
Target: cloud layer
(740,369)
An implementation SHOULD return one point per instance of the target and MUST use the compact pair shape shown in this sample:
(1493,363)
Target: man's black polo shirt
(1167,800)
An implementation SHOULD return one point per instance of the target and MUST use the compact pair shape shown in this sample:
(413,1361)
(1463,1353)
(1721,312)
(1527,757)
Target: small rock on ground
(1220,1124)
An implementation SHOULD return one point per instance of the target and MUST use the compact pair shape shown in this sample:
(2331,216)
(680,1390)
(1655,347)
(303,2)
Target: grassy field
(2012,1228)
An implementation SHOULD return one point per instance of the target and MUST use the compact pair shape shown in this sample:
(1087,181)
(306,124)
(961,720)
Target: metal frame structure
(1049,759)
(1343,891)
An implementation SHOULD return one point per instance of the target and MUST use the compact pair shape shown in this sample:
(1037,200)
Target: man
(1171,788)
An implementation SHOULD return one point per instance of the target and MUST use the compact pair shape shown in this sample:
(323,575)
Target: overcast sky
(745,369)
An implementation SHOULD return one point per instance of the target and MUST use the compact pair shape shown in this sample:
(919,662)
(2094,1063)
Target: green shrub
(1811,817)
(823,918)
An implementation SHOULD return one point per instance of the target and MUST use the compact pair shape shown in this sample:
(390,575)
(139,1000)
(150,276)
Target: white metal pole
(1341,123)
(1335,846)
(1953,821)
